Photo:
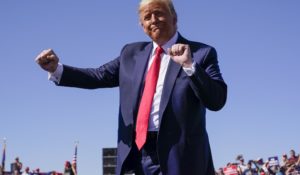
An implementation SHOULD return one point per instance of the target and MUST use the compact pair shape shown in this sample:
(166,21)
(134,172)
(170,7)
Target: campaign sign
(273,161)
(231,170)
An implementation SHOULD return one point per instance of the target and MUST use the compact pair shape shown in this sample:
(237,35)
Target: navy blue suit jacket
(182,145)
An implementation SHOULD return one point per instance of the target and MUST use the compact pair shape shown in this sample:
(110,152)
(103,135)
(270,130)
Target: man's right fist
(48,60)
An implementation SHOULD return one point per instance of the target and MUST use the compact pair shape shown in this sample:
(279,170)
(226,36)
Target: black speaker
(109,161)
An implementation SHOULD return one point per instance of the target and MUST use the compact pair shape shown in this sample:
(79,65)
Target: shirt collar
(167,45)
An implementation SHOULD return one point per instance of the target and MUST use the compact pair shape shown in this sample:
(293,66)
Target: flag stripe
(74,161)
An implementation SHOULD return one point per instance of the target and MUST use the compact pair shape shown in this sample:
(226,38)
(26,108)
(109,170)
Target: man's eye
(147,17)
(159,13)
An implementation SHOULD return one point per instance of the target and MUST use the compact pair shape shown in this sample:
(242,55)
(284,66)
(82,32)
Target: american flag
(3,155)
(74,162)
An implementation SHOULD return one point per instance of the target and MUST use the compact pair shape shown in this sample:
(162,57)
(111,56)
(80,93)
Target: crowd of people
(17,169)
(289,165)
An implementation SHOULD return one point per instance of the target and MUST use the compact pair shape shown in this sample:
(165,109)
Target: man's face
(158,22)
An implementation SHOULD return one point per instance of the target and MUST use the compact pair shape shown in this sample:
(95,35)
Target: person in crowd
(26,171)
(293,170)
(273,170)
(298,161)
(249,170)
(18,165)
(166,85)
(293,158)
(68,169)
(297,166)
(284,160)
(281,171)
(36,171)
(261,166)
(241,164)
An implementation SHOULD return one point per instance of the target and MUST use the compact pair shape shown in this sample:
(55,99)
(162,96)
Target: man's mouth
(155,29)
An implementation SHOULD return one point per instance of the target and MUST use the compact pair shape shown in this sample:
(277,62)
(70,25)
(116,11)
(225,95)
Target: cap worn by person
(240,157)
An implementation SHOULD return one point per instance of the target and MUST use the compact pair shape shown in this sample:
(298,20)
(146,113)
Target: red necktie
(146,101)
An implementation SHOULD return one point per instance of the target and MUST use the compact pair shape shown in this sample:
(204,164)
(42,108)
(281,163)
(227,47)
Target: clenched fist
(48,60)
(181,54)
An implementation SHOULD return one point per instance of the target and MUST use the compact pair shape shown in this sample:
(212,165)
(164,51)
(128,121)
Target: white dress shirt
(154,119)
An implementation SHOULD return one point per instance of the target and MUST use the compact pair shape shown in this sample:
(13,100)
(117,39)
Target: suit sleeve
(106,75)
(207,81)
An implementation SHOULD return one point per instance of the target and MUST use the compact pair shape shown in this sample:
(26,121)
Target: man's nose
(154,18)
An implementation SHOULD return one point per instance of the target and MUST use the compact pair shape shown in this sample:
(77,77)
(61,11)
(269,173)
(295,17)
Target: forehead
(152,7)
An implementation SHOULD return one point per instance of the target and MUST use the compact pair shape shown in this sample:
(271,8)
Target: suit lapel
(171,75)
(140,69)
(170,78)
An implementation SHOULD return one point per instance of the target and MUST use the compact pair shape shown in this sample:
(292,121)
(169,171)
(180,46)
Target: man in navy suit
(189,82)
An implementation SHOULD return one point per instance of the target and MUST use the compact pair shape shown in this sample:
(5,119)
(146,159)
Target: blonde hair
(167,3)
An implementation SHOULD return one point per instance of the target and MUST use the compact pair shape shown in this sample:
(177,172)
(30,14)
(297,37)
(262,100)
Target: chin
(157,37)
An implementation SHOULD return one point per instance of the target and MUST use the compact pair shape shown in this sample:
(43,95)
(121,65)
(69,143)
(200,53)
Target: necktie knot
(159,50)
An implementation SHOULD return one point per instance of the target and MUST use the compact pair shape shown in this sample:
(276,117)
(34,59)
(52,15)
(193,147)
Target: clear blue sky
(258,48)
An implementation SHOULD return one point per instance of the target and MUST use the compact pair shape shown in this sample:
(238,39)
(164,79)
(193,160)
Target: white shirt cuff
(190,70)
(56,75)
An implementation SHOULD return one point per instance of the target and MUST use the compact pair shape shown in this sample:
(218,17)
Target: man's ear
(141,24)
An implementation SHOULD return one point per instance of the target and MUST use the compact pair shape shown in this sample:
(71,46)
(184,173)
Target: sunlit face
(158,22)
